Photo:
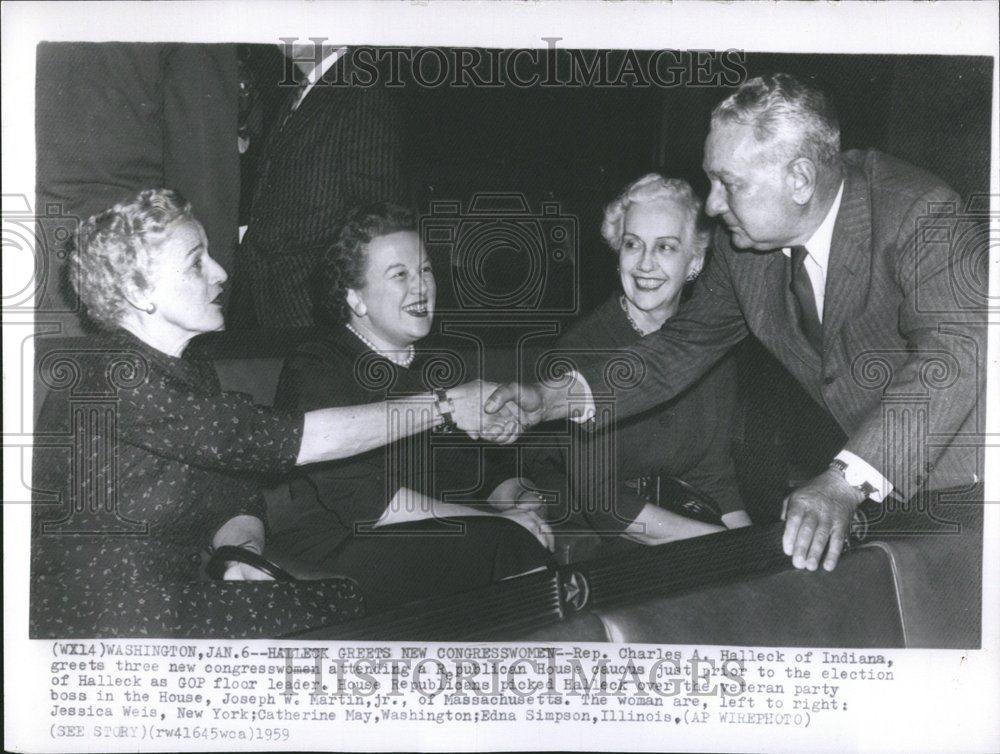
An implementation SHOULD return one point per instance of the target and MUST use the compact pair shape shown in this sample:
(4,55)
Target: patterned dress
(139,459)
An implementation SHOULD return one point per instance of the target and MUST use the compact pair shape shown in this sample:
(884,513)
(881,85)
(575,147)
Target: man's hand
(500,426)
(818,518)
(525,400)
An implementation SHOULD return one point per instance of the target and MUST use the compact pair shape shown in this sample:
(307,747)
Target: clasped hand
(502,425)
(519,502)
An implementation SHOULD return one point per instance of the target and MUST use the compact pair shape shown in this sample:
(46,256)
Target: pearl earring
(151,309)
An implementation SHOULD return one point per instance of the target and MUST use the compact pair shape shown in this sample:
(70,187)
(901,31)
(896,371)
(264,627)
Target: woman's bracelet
(445,408)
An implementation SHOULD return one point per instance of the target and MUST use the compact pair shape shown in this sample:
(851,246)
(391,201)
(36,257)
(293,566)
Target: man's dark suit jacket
(903,361)
(339,149)
(113,119)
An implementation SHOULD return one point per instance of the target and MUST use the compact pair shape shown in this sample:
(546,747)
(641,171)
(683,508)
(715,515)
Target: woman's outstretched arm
(332,433)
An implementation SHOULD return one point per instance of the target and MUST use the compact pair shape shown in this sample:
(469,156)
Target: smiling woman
(378,517)
(654,226)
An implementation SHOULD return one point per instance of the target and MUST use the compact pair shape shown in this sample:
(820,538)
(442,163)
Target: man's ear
(356,303)
(801,179)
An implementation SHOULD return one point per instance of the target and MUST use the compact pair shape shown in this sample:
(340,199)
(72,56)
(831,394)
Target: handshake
(495,412)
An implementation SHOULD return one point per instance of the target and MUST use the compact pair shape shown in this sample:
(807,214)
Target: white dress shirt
(817,260)
(317,73)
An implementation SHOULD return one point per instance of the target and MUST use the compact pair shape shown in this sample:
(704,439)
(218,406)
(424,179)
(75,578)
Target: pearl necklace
(394,356)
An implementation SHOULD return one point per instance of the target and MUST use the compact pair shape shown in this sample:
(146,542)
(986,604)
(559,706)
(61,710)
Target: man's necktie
(803,291)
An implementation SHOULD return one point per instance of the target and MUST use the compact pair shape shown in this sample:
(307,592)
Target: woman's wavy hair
(115,251)
(652,188)
(343,264)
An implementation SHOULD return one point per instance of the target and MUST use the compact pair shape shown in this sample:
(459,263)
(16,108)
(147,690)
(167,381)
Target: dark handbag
(221,556)
(676,496)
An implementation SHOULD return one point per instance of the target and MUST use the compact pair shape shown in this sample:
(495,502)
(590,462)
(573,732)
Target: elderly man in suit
(336,144)
(821,259)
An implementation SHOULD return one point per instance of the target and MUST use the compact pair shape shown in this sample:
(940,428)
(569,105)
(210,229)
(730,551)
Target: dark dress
(139,458)
(333,504)
(689,437)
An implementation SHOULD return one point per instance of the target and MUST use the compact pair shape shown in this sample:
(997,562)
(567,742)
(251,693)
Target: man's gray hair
(795,117)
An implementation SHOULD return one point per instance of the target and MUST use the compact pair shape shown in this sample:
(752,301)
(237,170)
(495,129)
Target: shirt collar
(194,372)
(818,245)
(319,71)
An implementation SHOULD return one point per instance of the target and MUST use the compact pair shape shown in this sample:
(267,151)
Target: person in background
(331,146)
(115,118)
(655,230)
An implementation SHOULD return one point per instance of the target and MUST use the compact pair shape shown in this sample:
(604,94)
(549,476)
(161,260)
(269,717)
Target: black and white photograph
(654,366)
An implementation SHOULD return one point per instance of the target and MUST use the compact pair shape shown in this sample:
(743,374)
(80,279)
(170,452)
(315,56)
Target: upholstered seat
(915,592)
(920,591)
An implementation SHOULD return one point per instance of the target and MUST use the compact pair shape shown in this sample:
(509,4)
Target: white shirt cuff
(581,408)
(859,471)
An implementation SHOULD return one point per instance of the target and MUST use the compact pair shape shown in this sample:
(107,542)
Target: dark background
(579,145)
